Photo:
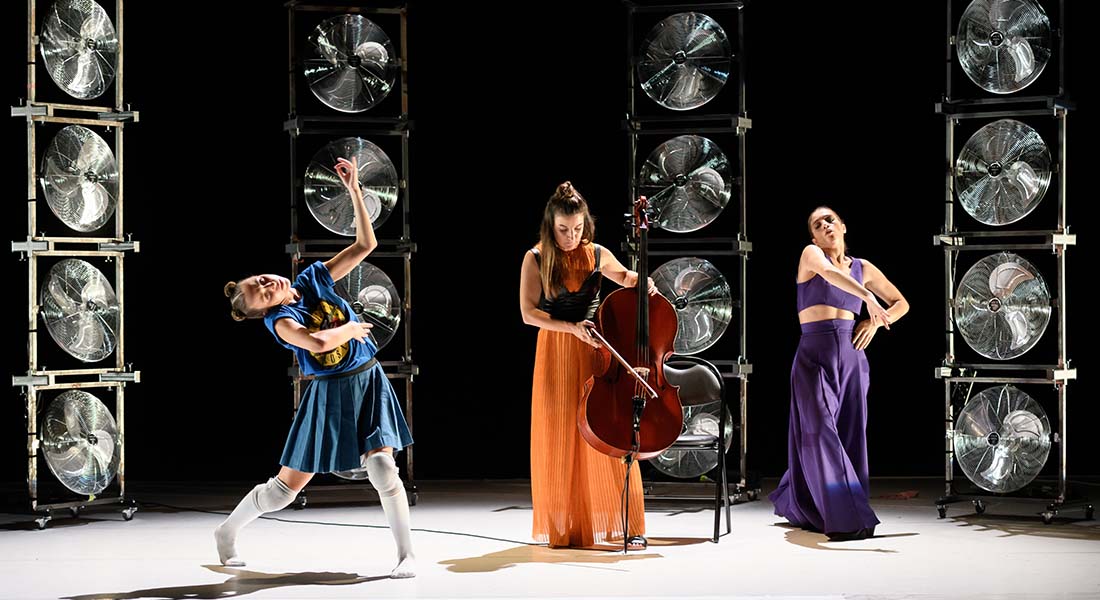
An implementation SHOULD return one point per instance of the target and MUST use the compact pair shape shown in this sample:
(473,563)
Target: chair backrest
(699,381)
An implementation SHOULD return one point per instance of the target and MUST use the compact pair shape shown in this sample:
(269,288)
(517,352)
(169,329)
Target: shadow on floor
(241,583)
(598,557)
(1013,525)
(819,541)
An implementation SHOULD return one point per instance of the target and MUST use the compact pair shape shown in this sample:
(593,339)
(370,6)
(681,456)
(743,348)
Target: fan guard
(688,182)
(354,64)
(80,48)
(80,442)
(327,198)
(701,297)
(1002,172)
(80,178)
(1002,306)
(79,307)
(1004,45)
(373,297)
(357,474)
(685,61)
(1002,439)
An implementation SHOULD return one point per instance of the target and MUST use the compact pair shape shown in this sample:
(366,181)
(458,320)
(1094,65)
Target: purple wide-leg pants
(825,487)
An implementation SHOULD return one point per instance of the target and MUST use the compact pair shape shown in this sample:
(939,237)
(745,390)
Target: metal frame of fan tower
(37,377)
(737,245)
(960,377)
(300,249)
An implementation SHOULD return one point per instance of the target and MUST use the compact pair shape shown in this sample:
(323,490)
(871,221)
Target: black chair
(701,383)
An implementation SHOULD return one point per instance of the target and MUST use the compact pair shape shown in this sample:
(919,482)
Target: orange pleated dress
(577,492)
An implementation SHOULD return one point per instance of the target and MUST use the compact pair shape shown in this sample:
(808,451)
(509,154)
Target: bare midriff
(824,312)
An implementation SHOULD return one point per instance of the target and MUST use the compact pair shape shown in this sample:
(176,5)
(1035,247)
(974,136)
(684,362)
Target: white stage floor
(169,553)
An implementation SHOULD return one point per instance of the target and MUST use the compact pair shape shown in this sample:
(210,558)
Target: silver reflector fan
(687,180)
(80,310)
(700,394)
(80,178)
(1004,45)
(1002,306)
(357,474)
(80,441)
(1002,439)
(701,297)
(79,47)
(685,61)
(354,65)
(374,299)
(327,198)
(1002,172)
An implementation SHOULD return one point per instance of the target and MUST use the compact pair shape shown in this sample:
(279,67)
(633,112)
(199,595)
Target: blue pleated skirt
(340,419)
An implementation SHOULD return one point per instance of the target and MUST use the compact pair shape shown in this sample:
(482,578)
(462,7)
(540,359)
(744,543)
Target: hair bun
(565,190)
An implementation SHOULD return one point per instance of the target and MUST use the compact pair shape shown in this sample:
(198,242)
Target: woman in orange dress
(577,492)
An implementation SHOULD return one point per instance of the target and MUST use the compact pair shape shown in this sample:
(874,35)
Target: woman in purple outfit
(825,487)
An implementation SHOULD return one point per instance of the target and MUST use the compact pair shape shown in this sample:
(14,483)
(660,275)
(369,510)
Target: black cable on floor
(331,524)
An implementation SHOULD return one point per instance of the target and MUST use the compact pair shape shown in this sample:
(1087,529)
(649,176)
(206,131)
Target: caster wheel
(128,513)
(1089,512)
(300,502)
(942,510)
(753,495)
(74,511)
(42,521)
(979,507)
(1048,517)
(414,497)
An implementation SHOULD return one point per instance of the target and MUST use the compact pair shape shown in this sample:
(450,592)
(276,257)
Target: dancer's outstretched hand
(348,172)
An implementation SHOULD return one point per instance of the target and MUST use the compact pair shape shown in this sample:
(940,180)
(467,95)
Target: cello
(628,409)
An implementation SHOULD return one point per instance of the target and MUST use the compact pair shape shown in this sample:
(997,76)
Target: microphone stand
(639,402)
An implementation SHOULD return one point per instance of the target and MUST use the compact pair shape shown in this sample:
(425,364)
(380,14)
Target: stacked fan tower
(75,255)
(1005,111)
(348,98)
(686,124)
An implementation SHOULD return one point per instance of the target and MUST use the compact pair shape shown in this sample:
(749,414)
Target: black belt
(365,366)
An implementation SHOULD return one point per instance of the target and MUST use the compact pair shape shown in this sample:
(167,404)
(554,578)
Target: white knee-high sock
(264,498)
(383,476)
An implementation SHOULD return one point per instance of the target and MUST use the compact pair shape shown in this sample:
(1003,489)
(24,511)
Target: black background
(506,104)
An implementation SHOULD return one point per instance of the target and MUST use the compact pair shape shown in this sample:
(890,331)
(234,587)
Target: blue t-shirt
(320,308)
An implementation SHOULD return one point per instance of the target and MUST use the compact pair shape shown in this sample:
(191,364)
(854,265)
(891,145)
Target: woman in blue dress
(349,416)
(825,487)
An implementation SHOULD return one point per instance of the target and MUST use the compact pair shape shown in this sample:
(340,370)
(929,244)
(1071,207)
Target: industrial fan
(357,474)
(79,307)
(79,177)
(684,61)
(79,47)
(701,396)
(354,64)
(374,299)
(80,442)
(687,180)
(1002,306)
(326,196)
(1002,439)
(1002,172)
(701,297)
(1003,45)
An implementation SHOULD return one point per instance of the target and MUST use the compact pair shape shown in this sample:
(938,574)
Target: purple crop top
(818,291)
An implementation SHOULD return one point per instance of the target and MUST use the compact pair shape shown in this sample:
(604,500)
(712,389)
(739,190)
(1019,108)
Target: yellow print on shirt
(327,316)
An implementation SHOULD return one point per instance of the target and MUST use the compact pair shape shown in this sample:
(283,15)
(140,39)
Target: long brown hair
(565,201)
